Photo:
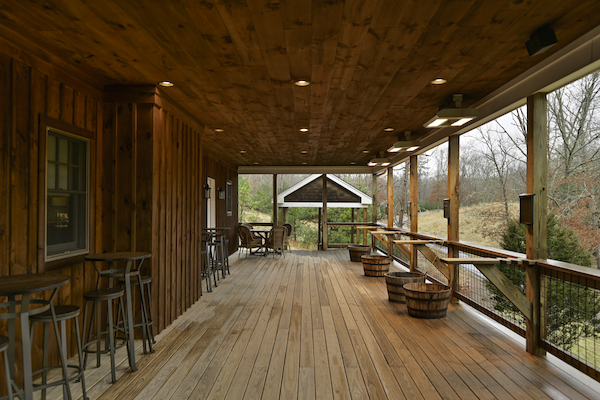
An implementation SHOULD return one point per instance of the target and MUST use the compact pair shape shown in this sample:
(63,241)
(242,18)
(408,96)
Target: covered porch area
(311,325)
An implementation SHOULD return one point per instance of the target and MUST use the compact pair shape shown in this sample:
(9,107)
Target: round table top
(222,228)
(31,283)
(118,256)
(260,230)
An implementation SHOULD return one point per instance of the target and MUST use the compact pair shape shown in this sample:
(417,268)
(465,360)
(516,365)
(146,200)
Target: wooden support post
(319,231)
(364,231)
(414,208)
(275,223)
(537,234)
(454,196)
(325,212)
(352,228)
(285,214)
(374,206)
(390,205)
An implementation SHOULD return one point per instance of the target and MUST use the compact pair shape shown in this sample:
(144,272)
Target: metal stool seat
(147,322)
(96,297)
(4,343)
(63,313)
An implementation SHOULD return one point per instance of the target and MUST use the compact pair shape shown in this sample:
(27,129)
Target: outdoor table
(263,233)
(25,285)
(132,269)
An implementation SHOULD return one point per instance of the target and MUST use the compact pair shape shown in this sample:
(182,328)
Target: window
(228,187)
(66,195)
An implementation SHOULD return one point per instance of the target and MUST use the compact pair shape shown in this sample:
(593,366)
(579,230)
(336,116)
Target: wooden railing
(560,300)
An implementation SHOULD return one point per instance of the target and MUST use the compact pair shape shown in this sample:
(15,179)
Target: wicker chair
(286,242)
(276,239)
(247,241)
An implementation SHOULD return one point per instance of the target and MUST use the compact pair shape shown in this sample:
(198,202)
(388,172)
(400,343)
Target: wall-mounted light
(447,208)
(221,193)
(408,207)
(403,143)
(380,160)
(526,208)
(452,116)
(206,191)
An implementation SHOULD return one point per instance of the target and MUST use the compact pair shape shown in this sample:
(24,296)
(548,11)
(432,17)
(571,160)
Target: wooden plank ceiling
(234,63)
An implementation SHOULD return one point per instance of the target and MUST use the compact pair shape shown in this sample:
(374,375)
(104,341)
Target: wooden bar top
(417,241)
(31,283)
(488,260)
(118,256)
(367,227)
(383,233)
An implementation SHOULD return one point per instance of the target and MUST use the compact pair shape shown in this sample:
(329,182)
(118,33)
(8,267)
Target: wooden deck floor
(311,326)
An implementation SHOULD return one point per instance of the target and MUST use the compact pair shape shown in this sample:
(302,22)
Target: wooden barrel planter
(376,265)
(427,300)
(358,250)
(395,284)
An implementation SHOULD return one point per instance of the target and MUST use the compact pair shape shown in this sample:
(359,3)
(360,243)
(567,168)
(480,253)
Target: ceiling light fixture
(304,163)
(402,144)
(390,129)
(303,129)
(353,163)
(302,83)
(540,41)
(242,151)
(365,151)
(452,116)
(218,130)
(380,160)
(412,148)
(438,81)
(303,151)
(166,84)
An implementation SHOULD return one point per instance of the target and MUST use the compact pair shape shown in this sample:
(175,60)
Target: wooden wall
(147,172)
(30,98)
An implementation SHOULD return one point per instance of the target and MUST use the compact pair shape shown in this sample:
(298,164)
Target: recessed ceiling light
(303,151)
(242,151)
(353,162)
(304,163)
(302,83)
(365,151)
(255,163)
(303,129)
(438,81)
(389,129)
(218,130)
(166,84)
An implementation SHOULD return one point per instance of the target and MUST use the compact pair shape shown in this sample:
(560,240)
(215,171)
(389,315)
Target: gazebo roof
(309,193)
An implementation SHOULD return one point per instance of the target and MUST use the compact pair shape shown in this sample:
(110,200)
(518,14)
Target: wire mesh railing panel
(570,319)
(474,288)
(427,267)
(397,253)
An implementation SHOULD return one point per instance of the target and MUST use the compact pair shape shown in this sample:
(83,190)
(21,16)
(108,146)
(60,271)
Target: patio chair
(287,237)
(276,238)
(247,241)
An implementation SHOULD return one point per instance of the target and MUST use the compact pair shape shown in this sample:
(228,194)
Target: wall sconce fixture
(206,191)
(447,208)
(221,193)
(526,208)
(380,160)
(452,116)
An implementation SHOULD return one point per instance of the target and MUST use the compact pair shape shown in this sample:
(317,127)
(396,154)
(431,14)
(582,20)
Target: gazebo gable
(309,193)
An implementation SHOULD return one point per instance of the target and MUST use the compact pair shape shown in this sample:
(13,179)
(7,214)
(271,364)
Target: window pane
(51,148)
(67,198)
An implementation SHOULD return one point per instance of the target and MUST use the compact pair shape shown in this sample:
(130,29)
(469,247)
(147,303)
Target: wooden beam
(507,288)
(374,205)
(275,216)
(536,234)
(400,245)
(454,196)
(390,197)
(414,208)
(324,211)
(365,220)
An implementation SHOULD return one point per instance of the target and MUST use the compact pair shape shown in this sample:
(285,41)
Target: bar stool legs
(4,350)
(96,297)
(147,323)
(62,313)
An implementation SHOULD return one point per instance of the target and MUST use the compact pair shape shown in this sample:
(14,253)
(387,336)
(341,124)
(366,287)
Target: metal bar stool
(96,297)
(4,350)
(146,322)
(212,251)
(62,313)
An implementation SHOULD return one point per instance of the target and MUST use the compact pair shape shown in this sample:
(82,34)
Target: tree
(571,308)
